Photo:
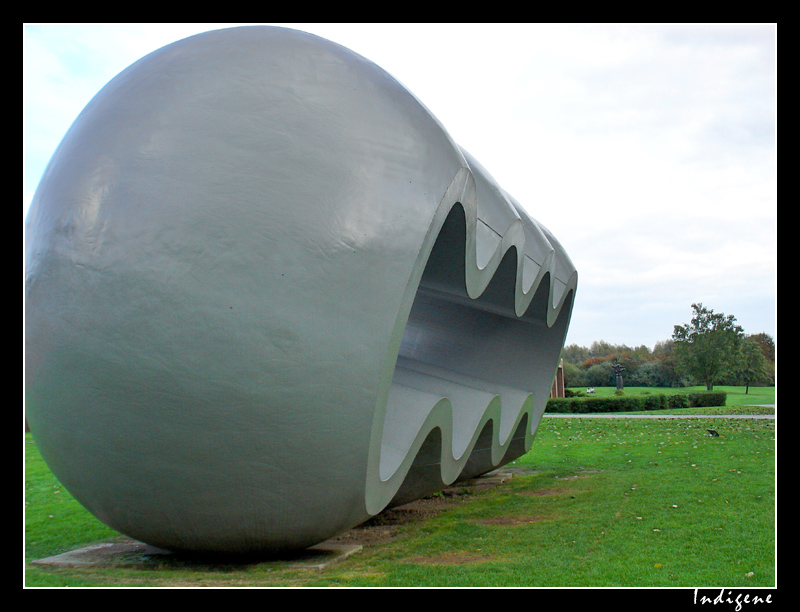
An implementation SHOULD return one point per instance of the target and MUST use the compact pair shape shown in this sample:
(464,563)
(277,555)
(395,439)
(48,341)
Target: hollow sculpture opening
(267,296)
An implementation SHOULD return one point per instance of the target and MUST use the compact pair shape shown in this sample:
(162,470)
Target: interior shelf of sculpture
(267,296)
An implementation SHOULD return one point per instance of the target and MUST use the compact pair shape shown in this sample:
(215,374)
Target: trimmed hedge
(633,403)
(679,400)
(707,398)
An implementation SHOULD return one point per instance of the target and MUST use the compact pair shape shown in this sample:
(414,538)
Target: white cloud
(648,150)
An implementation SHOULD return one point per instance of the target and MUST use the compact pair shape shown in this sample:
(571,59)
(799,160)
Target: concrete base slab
(130,553)
(111,554)
(324,554)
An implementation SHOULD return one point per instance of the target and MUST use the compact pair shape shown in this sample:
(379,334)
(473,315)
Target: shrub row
(637,403)
(707,398)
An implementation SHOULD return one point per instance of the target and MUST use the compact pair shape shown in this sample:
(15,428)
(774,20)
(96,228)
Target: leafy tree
(707,348)
(664,354)
(663,347)
(653,373)
(573,375)
(599,375)
(575,354)
(767,344)
(753,366)
(601,348)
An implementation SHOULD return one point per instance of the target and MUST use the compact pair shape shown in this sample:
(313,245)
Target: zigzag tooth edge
(381,486)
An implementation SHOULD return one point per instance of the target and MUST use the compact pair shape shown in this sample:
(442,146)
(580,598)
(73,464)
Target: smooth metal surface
(267,296)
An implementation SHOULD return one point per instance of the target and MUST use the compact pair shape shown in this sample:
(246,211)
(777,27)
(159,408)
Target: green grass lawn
(595,503)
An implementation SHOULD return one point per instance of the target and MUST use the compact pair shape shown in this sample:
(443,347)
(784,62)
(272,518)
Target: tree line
(710,349)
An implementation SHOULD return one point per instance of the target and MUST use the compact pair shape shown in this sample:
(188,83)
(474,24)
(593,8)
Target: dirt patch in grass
(451,558)
(509,521)
(387,524)
(581,474)
(549,491)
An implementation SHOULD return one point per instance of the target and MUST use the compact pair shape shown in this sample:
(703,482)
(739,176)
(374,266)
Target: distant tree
(767,344)
(654,373)
(601,348)
(573,375)
(753,366)
(663,347)
(664,354)
(707,348)
(599,375)
(572,353)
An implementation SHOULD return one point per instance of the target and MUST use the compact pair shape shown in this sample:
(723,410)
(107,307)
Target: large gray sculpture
(268,296)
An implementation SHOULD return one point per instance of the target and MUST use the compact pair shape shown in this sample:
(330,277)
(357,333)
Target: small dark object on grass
(713,433)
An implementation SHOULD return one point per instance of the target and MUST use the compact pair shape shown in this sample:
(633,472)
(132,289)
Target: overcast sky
(648,150)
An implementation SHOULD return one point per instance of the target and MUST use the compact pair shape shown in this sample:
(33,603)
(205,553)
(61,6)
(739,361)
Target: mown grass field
(596,503)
